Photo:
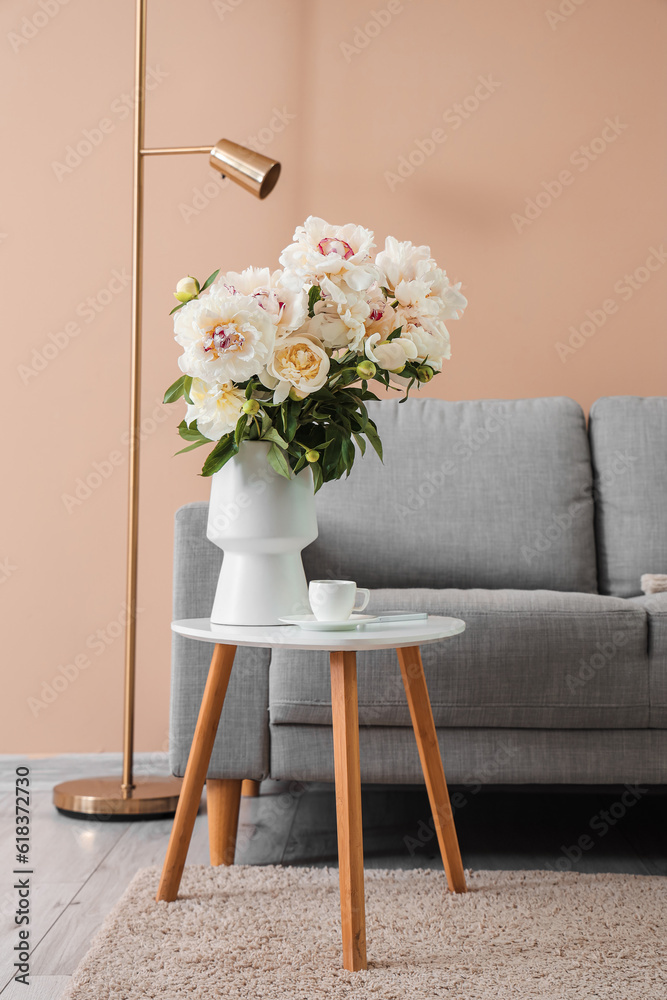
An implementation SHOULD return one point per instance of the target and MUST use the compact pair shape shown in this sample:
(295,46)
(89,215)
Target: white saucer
(311,624)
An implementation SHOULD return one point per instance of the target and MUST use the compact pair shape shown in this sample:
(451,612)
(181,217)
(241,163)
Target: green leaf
(330,454)
(267,423)
(225,449)
(347,359)
(191,447)
(273,435)
(278,461)
(314,295)
(360,418)
(324,395)
(209,281)
(192,433)
(395,333)
(240,428)
(174,391)
(345,378)
(407,389)
(318,478)
(291,411)
(360,443)
(187,385)
(332,459)
(176,308)
(372,435)
(348,454)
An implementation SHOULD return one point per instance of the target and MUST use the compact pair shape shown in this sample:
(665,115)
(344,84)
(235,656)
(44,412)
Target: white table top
(371,636)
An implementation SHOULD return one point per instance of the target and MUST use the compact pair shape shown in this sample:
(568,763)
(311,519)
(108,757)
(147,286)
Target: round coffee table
(406,638)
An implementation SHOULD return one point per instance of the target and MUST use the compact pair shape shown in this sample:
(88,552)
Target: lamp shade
(256,173)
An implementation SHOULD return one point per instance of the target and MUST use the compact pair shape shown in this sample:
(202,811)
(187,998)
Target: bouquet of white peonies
(287,356)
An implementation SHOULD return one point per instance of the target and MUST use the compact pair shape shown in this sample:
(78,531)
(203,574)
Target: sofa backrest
(628,437)
(484,493)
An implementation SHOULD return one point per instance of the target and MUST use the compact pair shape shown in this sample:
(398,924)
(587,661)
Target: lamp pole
(135,395)
(142,796)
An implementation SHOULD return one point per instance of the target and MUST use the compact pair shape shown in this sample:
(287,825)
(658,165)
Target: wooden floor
(81,868)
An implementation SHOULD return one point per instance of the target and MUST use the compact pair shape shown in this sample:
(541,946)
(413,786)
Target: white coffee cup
(334,600)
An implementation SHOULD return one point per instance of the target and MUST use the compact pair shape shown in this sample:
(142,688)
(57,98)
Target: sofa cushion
(471,494)
(477,757)
(655,606)
(527,659)
(629,451)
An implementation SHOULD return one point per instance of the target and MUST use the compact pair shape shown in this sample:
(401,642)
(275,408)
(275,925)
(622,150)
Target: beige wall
(356,102)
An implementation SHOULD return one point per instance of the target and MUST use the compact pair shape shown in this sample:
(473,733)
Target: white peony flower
(390,354)
(339,317)
(283,298)
(224,337)
(299,362)
(382,316)
(321,250)
(430,337)
(428,334)
(330,329)
(417,283)
(451,300)
(216,408)
(404,265)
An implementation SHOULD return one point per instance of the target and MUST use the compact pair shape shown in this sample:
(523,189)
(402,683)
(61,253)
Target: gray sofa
(514,516)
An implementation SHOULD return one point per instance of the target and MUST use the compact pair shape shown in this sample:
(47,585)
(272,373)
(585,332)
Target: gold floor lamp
(144,795)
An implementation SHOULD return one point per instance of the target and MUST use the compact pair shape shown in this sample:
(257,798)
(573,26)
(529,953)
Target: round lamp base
(104,799)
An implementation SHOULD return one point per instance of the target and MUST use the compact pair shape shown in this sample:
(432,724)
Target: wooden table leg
(250,789)
(223,799)
(419,703)
(348,808)
(195,772)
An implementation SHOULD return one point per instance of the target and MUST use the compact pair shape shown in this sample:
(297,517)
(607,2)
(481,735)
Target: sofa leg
(223,798)
(250,789)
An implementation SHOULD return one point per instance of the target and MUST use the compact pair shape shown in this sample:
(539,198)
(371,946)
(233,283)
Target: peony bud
(425,373)
(251,407)
(186,289)
(366,369)
(312,455)
(296,396)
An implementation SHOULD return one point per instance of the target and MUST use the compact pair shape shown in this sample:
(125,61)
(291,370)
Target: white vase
(261,521)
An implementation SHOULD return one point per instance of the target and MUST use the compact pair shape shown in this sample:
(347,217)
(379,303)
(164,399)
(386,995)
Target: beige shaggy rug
(274,933)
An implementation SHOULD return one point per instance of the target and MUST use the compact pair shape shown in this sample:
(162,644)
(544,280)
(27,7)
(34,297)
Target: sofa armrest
(653,604)
(241,748)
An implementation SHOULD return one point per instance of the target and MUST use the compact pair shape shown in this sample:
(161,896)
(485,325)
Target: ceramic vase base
(262,522)
(260,589)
